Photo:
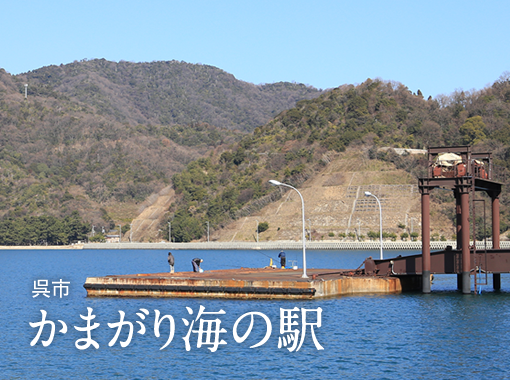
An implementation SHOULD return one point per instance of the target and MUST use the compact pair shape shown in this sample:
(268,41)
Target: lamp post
(369,194)
(276,183)
(257,230)
(207,231)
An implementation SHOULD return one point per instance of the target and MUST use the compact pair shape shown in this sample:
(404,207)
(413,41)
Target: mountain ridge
(168,92)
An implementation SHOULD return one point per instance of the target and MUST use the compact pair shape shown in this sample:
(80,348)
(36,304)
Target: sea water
(442,335)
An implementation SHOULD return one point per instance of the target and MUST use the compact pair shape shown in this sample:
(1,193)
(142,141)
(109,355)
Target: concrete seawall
(267,245)
(286,245)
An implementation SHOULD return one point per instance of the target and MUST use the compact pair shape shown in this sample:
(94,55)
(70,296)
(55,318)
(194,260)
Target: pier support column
(459,282)
(458,218)
(496,281)
(458,230)
(425,239)
(466,258)
(496,277)
(495,220)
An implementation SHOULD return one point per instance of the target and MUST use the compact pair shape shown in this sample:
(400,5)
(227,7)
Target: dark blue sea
(442,335)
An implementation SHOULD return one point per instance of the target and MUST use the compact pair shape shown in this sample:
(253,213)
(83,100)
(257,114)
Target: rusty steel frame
(462,186)
(441,262)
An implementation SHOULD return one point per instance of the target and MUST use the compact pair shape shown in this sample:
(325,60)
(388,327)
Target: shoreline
(272,245)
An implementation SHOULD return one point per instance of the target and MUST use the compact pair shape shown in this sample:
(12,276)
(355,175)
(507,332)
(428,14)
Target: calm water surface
(443,335)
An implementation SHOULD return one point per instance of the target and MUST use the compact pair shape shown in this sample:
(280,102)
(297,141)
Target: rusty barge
(248,283)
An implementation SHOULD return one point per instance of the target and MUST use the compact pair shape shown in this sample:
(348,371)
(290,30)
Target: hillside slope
(299,143)
(335,204)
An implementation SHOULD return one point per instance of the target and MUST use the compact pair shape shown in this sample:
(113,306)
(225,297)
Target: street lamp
(369,194)
(207,231)
(257,230)
(276,183)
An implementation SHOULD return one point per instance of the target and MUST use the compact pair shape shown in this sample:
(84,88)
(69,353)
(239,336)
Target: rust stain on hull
(243,283)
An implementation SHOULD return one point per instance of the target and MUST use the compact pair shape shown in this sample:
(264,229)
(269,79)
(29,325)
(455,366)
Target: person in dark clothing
(196,264)
(171,261)
(281,256)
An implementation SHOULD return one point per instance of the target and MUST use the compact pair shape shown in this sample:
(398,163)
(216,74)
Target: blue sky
(435,46)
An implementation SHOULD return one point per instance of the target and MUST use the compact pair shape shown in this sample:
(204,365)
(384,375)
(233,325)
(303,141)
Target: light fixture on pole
(369,194)
(257,230)
(276,183)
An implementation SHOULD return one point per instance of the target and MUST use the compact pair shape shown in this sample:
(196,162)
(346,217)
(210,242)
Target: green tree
(185,228)
(473,130)
(74,227)
(263,226)
(97,238)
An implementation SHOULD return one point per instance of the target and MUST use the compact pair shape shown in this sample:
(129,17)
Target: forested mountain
(94,135)
(167,93)
(297,143)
